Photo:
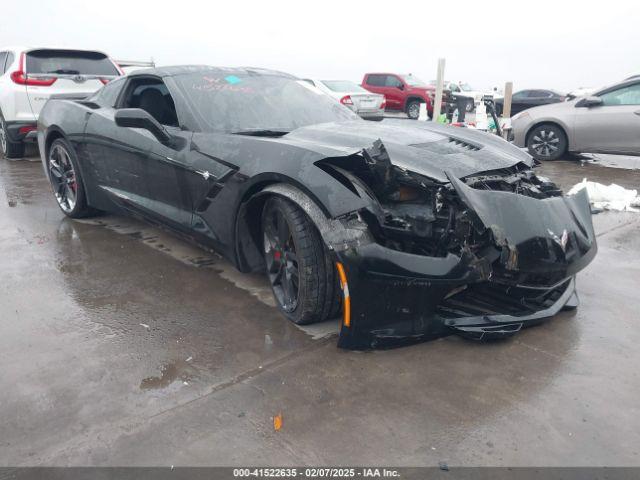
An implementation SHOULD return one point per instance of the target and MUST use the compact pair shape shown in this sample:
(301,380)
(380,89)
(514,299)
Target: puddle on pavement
(169,373)
(612,161)
(255,284)
(569,172)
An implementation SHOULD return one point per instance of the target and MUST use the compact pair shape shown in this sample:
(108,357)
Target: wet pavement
(122,345)
(606,169)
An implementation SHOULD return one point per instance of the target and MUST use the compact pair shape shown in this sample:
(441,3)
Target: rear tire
(413,109)
(66,180)
(470,105)
(547,142)
(299,267)
(8,148)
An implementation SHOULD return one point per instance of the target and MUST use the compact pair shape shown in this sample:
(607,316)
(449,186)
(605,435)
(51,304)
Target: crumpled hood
(421,147)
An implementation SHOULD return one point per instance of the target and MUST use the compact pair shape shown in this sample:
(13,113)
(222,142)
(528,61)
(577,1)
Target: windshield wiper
(262,133)
(62,71)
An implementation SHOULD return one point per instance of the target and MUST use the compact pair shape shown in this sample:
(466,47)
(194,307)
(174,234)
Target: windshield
(413,81)
(465,87)
(343,86)
(69,62)
(244,101)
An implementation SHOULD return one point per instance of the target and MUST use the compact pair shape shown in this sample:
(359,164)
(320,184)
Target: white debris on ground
(609,197)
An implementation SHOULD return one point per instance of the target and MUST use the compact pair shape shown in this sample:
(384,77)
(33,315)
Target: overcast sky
(553,44)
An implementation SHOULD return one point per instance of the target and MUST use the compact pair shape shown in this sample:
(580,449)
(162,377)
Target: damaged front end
(481,256)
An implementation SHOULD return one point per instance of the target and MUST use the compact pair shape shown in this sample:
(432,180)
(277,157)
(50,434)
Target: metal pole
(439,88)
(506,108)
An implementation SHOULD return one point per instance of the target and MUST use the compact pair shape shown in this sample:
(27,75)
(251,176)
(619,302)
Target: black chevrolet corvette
(406,230)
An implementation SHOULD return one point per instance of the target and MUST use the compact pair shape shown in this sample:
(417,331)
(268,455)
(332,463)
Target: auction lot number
(314,472)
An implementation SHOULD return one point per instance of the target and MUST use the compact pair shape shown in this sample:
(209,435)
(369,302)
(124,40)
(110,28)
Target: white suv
(30,76)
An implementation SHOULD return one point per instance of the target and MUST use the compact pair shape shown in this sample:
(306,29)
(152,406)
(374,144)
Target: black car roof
(172,71)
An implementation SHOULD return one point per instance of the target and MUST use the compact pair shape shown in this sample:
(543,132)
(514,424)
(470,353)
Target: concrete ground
(121,345)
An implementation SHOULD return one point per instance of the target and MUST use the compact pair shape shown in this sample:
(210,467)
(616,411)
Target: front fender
(338,234)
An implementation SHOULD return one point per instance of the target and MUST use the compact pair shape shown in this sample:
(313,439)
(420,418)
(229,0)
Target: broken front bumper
(397,298)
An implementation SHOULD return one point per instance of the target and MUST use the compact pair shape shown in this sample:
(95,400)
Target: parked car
(409,230)
(402,92)
(30,76)
(606,122)
(368,105)
(524,99)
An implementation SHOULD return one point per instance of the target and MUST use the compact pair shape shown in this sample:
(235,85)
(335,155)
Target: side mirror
(589,102)
(400,86)
(138,118)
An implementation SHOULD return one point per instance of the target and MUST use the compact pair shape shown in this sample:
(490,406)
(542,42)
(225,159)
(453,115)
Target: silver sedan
(606,122)
(368,105)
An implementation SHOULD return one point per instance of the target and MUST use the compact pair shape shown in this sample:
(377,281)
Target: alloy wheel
(414,110)
(545,143)
(282,260)
(63,178)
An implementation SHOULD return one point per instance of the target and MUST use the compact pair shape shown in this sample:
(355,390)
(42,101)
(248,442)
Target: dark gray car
(525,99)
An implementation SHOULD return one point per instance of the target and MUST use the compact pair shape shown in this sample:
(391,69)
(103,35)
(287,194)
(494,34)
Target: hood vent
(462,144)
(447,146)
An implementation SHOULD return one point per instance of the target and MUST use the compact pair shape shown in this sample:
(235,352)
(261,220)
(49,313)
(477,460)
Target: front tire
(66,180)
(299,267)
(413,109)
(8,148)
(547,142)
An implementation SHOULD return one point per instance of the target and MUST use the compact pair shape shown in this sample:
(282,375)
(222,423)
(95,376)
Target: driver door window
(392,81)
(623,96)
(152,96)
